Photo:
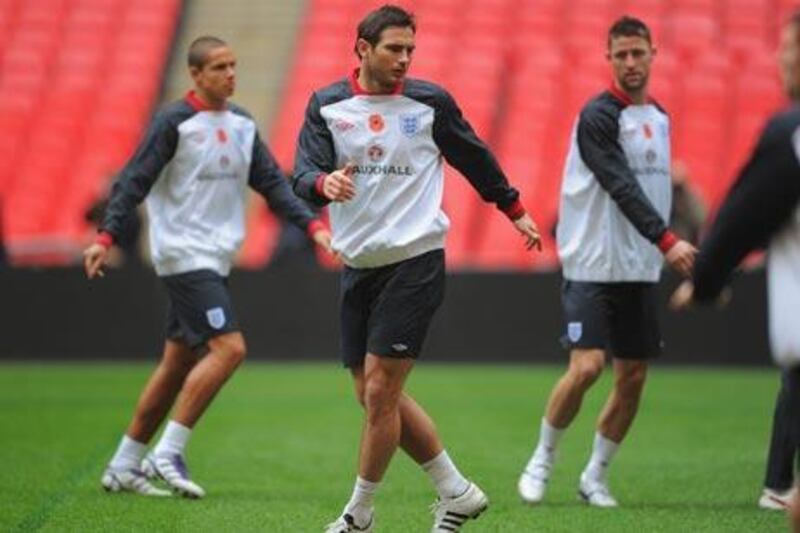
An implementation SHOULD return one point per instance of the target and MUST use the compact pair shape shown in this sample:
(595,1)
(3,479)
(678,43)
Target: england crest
(409,125)
(216,317)
(574,331)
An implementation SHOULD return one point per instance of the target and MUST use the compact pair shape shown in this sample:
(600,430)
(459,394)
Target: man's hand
(323,239)
(338,186)
(94,258)
(681,258)
(683,297)
(527,227)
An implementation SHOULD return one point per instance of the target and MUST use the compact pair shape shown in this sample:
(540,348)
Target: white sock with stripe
(361,502)
(444,474)
(603,451)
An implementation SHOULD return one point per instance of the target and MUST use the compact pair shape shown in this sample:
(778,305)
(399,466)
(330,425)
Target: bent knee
(585,373)
(231,347)
(378,398)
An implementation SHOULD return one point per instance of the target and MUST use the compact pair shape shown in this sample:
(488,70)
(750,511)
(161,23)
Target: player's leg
(384,378)
(123,472)
(779,477)
(585,366)
(420,440)
(225,354)
(586,335)
(161,390)
(357,289)
(794,511)
(459,498)
(379,386)
(387,311)
(794,413)
(634,338)
(615,420)
(624,399)
(209,325)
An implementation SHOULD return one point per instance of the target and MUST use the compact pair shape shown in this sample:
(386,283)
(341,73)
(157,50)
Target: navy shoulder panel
(783,123)
(335,92)
(602,113)
(604,104)
(174,113)
(424,92)
(239,110)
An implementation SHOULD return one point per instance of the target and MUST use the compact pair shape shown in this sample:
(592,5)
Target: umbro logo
(342,125)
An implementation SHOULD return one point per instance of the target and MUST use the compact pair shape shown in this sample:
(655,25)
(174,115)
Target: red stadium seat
(61,61)
(702,7)
(691,34)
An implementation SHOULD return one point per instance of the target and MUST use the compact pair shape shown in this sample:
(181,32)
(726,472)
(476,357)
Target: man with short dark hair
(193,167)
(612,238)
(372,147)
(762,210)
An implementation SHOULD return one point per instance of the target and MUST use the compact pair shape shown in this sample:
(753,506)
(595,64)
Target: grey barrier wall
(291,315)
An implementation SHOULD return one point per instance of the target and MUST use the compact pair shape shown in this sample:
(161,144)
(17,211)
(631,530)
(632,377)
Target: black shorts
(386,311)
(621,318)
(199,307)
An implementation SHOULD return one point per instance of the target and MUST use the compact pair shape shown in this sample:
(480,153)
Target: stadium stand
(78,73)
(77,81)
(522,70)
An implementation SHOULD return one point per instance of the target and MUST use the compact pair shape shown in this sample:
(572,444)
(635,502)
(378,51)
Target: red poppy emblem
(222,136)
(648,132)
(376,122)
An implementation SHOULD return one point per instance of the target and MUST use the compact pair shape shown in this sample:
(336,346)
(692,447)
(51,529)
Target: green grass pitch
(277,451)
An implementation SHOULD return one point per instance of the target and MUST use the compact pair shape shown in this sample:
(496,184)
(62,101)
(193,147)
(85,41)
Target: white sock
(444,474)
(603,451)
(173,440)
(129,454)
(360,504)
(548,443)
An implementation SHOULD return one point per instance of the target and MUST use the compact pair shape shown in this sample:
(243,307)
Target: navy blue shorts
(621,318)
(199,307)
(386,311)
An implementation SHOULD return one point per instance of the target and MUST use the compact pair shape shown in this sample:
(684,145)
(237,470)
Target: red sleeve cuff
(514,211)
(315,226)
(318,185)
(104,238)
(667,241)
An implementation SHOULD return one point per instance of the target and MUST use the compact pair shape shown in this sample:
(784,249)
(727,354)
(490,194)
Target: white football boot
(131,480)
(595,492)
(346,524)
(533,481)
(774,500)
(173,471)
(451,513)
